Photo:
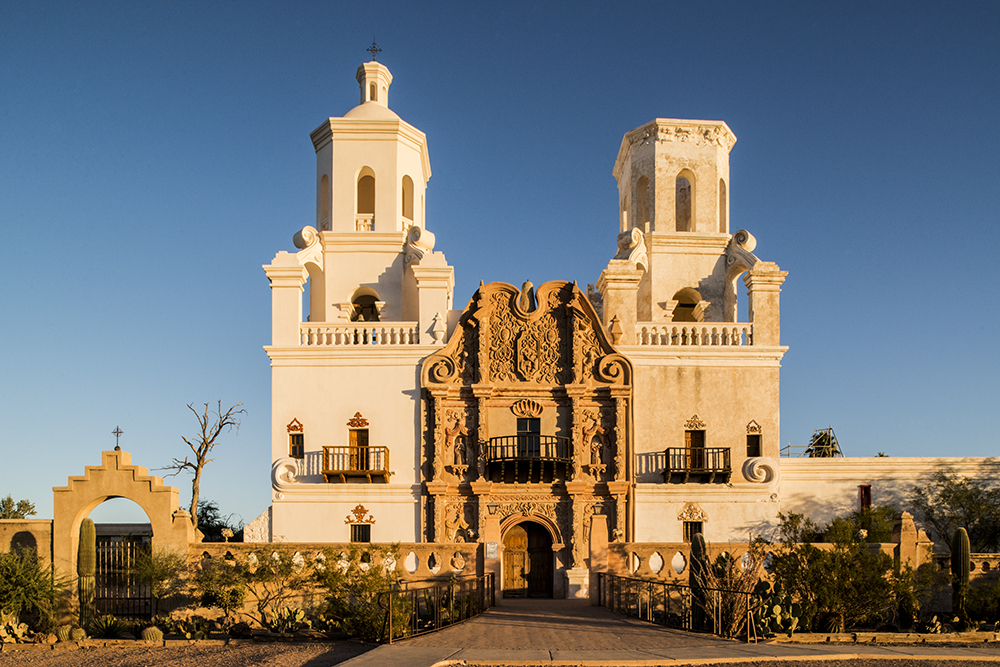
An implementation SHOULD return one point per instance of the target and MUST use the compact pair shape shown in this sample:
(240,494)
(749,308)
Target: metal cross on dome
(374,50)
(117,433)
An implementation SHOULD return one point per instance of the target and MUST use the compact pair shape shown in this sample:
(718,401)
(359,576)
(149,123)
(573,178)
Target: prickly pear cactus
(86,566)
(960,560)
(774,611)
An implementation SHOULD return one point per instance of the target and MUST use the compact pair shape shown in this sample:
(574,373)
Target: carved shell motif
(526,408)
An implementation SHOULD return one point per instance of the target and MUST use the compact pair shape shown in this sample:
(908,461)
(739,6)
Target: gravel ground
(889,662)
(276,654)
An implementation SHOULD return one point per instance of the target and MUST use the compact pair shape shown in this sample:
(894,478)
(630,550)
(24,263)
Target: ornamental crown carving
(548,336)
(753,428)
(527,408)
(694,424)
(359,514)
(295,426)
(692,512)
(357,421)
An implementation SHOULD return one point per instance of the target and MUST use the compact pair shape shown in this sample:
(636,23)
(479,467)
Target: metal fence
(420,608)
(730,613)
(117,591)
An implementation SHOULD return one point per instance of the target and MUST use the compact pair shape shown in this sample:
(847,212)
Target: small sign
(493,550)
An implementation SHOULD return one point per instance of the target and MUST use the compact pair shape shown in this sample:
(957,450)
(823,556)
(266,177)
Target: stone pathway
(548,632)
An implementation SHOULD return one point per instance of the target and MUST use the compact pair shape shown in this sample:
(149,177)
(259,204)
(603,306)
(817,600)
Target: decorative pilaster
(580,449)
(438,456)
(621,437)
(482,435)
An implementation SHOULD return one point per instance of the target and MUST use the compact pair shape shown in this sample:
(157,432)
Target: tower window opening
(684,204)
(753,444)
(366,194)
(365,309)
(373,93)
(687,302)
(408,198)
(642,193)
(324,203)
(723,208)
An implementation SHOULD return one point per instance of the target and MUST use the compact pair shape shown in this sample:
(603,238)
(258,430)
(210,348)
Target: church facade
(519,419)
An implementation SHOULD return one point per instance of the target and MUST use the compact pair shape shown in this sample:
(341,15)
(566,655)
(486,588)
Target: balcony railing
(704,464)
(526,458)
(364,222)
(347,334)
(345,462)
(694,333)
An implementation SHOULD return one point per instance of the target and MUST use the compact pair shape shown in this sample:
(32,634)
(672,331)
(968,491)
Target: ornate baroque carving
(527,408)
(753,428)
(359,515)
(357,421)
(694,424)
(295,426)
(692,512)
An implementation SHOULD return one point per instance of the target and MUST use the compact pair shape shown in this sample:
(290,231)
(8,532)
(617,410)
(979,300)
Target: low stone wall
(35,534)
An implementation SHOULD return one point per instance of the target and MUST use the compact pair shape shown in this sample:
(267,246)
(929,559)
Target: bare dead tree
(211,424)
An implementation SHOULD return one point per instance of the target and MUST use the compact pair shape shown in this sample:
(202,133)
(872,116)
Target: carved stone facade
(520,357)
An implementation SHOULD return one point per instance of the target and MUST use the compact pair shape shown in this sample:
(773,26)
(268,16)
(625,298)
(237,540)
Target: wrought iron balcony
(348,462)
(700,464)
(528,457)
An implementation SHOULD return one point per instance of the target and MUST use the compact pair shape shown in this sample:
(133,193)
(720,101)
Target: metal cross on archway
(117,433)
(374,50)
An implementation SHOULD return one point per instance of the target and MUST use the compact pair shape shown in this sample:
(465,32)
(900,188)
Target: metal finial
(374,50)
(117,433)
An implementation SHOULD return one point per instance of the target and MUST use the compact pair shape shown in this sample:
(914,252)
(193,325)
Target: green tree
(29,589)
(876,522)
(21,509)
(222,585)
(211,523)
(353,583)
(950,501)
(160,570)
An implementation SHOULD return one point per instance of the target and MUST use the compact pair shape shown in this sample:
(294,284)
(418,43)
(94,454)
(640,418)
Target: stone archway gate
(116,477)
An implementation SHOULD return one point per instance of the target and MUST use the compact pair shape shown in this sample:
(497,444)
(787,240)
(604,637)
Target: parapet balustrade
(344,334)
(364,222)
(694,334)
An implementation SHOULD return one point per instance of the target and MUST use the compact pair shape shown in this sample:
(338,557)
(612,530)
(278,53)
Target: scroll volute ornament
(294,426)
(357,421)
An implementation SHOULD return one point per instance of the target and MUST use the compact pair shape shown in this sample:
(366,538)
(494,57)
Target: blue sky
(154,155)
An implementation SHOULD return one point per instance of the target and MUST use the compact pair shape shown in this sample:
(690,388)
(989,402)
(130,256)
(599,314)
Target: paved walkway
(548,632)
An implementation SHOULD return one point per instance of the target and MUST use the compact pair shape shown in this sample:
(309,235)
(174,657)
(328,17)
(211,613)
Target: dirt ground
(276,654)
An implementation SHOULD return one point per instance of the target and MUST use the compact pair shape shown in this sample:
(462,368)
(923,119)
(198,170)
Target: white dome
(371,111)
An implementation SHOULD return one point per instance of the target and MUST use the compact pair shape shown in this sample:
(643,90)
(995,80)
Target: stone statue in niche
(593,437)
(454,442)
(455,525)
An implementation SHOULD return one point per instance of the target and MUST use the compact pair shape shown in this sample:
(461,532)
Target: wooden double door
(527,561)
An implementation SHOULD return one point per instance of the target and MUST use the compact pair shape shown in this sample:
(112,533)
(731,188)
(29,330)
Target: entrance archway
(528,561)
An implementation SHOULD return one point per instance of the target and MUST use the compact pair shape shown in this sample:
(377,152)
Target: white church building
(399,415)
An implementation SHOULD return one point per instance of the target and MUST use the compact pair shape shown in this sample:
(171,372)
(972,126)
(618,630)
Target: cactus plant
(960,560)
(86,566)
(152,634)
(62,632)
(287,620)
(12,631)
(76,634)
(774,611)
(696,580)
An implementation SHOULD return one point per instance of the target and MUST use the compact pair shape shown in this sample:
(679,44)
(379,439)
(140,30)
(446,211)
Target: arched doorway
(527,561)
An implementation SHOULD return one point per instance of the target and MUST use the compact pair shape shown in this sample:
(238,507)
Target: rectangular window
(753,444)
(528,441)
(361,532)
(864,497)
(296,445)
(359,453)
(691,528)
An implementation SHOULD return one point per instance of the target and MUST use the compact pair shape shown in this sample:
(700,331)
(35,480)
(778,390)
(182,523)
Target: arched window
(372,92)
(365,221)
(408,198)
(641,193)
(723,208)
(324,203)
(687,301)
(685,202)
(365,302)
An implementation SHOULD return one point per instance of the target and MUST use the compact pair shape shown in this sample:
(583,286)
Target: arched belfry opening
(684,192)
(407,198)
(366,305)
(365,220)
(687,308)
(528,561)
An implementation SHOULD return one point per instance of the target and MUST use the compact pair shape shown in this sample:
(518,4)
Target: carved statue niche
(593,439)
(456,528)
(455,449)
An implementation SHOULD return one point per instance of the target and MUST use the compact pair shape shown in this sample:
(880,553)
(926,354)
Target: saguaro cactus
(696,579)
(86,566)
(960,560)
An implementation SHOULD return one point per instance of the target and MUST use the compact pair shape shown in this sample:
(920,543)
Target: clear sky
(153,155)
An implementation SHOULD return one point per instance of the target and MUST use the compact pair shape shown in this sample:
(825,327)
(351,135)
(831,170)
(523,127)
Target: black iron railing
(427,608)
(528,457)
(703,463)
(729,613)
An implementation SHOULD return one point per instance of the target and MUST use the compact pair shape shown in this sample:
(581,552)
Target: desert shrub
(221,585)
(161,570)
(29,590)
(983,603)
(107,627)
(275,577)
(729,581)
(353,583)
